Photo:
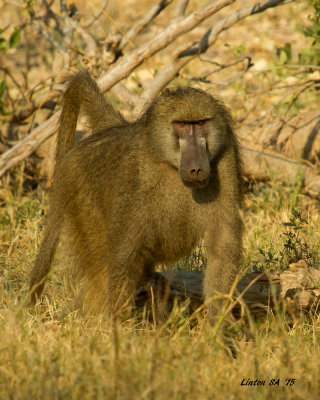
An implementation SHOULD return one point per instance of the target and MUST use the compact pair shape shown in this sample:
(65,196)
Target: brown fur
(120,194)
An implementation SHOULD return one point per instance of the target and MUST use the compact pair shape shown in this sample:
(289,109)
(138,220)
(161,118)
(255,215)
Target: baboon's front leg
(224,248)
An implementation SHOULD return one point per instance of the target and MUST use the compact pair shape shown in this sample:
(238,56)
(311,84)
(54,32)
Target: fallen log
(297,288)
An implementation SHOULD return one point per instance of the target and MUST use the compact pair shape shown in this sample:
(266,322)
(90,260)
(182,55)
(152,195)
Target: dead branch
(90,42)
(125,95)
(49,100)
(185,53)
(211,35)
(180,8)
(47,35)
(16,83)
(296,289)
(97,15)
(143,22)
(162,40)
(181,57)
(204,78)
(262,164)
(28,145)
(24,148)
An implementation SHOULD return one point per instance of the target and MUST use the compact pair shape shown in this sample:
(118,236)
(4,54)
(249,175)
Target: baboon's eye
(201,122)
(180,124)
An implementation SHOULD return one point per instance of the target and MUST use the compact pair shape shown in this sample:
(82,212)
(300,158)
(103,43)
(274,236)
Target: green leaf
(3,43)
(14,38)
(3,85)
(241,48)
(288,50)
(283,57)
(4,29)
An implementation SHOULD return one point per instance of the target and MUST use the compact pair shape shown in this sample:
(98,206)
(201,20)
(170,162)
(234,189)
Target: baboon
(133,195)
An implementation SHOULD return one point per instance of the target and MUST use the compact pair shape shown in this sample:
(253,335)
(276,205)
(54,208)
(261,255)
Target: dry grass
(48,360)
(42,358)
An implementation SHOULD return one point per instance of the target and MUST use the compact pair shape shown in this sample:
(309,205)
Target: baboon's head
(190,129)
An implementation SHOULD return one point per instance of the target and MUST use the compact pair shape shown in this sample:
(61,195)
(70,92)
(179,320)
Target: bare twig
(204,78)
(211,35)
(90,42)
(181,8)
(249,111)
(153,12)
(163,39)
(8,72)
(299,93)
(97,15)
(223,66)
(309,67)
(310,82)
(185,53)
(125,95)
(24,148)
(50,14)
(28,145)
(63,6)
(38,103)
(51,39)
(260,163)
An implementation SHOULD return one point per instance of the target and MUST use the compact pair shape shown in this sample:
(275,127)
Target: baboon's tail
(43,261)
(83,93)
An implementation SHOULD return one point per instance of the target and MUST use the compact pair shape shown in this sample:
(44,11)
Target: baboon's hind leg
(43,261)
(110,291)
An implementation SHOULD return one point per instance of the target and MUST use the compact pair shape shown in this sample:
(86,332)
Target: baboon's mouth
(195,184)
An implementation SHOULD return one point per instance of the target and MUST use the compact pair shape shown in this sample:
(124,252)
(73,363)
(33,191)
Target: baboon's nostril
(196,172)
